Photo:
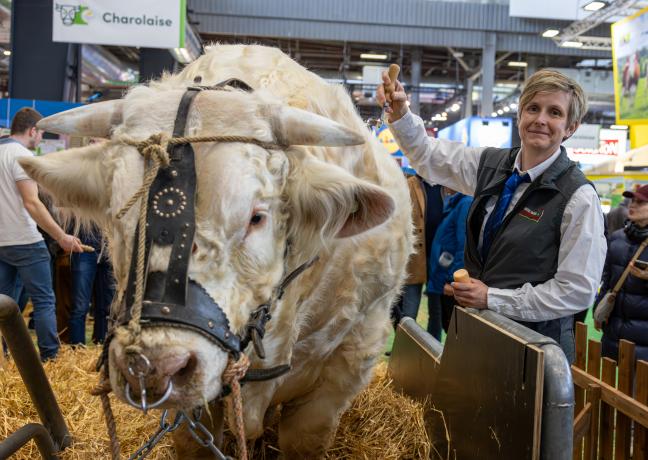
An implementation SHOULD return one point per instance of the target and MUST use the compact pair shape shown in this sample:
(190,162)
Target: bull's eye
(257,219)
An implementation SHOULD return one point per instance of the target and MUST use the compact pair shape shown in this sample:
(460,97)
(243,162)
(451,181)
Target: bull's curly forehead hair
(552,81)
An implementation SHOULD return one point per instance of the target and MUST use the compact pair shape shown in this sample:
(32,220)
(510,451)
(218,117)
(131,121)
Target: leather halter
(170,298)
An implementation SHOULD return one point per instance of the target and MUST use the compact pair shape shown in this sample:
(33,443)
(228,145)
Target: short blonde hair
(552,81)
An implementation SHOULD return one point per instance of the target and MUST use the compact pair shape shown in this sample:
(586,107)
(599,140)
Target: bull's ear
(75,178)
(328,202)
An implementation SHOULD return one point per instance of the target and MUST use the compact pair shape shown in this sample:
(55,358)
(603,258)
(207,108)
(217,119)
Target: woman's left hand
(639,273)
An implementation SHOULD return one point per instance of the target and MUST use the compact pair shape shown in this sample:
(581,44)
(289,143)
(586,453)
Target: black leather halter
(170,298)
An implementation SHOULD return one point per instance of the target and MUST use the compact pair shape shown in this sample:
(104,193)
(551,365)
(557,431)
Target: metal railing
(52,435)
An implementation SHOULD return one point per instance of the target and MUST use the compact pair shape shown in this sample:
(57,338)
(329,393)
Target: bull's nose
(176,366)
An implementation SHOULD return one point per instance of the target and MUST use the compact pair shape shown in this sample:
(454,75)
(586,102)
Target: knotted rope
(155,153)
(102,390)
(232,375)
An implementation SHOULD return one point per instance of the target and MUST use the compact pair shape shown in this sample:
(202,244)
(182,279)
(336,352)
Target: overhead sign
(630,58)
(148,23)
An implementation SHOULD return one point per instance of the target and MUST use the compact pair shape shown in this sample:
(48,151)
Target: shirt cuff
(500,301)
(404,123)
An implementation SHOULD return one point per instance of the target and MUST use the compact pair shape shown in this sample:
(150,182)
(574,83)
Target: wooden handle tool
(461,276)
(87,248)
(393,72)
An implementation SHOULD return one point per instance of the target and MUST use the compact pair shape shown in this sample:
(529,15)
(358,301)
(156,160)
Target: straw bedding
(380,424)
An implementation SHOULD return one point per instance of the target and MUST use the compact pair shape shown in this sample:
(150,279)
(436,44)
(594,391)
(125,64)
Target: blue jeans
(86,274)
(32,263)
(407,304)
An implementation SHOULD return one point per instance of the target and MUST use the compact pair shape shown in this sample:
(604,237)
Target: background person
(92,278)
(535,244)
(446,257)
(427,206)
(629,317)
(22,249)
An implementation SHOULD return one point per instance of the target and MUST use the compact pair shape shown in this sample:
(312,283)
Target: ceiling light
(494,114)
(444,114)
(517,64)
(513,106)
(6,53)
(374,56)
(549,33)
(571,44)
(594,6)
(454,107)
(623,127)
(500,112)
(506,109)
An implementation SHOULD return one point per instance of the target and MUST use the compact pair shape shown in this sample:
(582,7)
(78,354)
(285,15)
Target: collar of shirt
(537,170)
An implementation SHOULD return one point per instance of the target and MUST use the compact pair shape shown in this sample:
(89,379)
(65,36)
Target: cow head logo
(73,14)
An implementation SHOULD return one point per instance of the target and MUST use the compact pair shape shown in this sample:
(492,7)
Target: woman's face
(638,211)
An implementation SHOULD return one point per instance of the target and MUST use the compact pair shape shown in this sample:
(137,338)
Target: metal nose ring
(140,366)
(143,404)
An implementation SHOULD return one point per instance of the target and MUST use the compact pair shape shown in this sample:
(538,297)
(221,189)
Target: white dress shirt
(582,245)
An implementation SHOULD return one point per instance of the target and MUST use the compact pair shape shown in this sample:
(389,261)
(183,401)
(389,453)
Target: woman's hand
(397,98)
(473,294)
(639,273)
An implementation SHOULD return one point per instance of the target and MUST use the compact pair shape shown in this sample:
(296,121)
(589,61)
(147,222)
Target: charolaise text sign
(147,23)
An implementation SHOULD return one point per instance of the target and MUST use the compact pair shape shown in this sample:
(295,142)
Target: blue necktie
(496,218)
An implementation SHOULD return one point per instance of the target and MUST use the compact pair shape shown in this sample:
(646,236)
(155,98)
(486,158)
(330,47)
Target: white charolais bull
(335,193)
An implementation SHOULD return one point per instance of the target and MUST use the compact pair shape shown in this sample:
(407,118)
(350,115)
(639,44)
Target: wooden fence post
(640,447)
(593,369)
(626,368)
(608,375)
(579,393)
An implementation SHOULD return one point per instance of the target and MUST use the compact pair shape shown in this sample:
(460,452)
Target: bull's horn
(94,120)
(298,127)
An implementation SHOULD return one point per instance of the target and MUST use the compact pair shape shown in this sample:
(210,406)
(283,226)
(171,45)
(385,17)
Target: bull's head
(249,203)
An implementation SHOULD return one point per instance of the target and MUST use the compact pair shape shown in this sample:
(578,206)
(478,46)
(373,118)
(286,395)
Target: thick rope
(102,389)
(232,375)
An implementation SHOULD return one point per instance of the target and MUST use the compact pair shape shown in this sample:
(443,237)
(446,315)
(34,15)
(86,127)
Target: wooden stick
(393,72)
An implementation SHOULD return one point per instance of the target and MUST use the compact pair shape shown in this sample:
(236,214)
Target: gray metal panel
(371,33)
(405,13)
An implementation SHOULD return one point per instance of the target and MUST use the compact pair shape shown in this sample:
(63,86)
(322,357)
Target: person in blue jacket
(446,256)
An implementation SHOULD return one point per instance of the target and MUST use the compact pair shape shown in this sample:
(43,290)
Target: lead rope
(154,149)
(232,375)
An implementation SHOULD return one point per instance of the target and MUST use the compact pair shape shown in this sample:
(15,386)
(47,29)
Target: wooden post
(608,375)
(626,367)
(640,448)
(591,441)
(594,358)
(579,393)
(593,369)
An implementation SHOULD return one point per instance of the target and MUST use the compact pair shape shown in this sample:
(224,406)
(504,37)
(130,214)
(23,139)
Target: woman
(629,318)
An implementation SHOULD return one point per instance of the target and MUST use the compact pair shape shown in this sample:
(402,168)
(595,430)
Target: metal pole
(488,73)
(21,347)
(15,441)
(415,96)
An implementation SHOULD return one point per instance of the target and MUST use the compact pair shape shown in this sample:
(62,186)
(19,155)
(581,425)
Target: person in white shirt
(22,248)
(535,244)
